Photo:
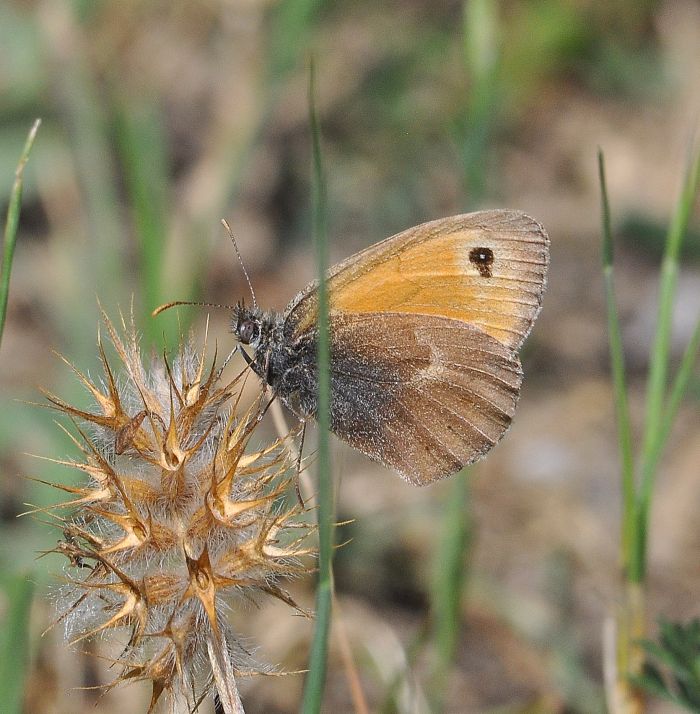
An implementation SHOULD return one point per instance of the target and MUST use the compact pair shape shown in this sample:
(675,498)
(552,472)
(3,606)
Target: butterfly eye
(248,331)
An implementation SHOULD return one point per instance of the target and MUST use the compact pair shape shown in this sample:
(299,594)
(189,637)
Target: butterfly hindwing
(421,394)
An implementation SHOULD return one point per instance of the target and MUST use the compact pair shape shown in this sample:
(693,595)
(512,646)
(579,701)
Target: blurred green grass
(16,590)
(639,467)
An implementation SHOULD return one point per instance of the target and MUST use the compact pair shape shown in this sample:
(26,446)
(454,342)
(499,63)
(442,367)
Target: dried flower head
(177,515)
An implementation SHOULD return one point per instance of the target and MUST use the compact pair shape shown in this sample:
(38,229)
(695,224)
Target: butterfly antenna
(175,303)
(240,260)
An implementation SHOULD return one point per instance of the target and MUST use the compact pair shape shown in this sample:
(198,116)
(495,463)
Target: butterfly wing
(423,395)
(425,328)
(486,269)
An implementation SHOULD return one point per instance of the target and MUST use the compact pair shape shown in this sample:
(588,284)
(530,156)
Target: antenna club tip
(163,308)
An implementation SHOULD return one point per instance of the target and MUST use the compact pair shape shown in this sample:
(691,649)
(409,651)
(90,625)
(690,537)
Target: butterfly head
(251,326)
(254,328)
(247,325)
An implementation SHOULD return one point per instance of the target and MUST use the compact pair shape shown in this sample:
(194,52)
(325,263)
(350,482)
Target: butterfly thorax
(286,364)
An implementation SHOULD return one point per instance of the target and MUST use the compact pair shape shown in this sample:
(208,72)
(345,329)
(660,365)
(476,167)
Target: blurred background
(162,117)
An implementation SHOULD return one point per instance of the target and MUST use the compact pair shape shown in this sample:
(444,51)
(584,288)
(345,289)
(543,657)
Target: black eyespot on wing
(482,259)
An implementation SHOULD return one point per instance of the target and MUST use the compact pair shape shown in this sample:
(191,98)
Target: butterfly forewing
(486,269)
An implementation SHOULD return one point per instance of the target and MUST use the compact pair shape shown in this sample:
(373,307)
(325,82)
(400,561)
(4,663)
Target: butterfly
(425,329)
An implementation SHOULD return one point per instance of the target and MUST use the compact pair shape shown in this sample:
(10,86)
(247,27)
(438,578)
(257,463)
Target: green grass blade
(481,56)
(12,223)
(316,678)
(143,154)
(678,391)
(656,414)
(291,26)
(617,362)
(16,593)
(658,368)
(448,585)
(679,387)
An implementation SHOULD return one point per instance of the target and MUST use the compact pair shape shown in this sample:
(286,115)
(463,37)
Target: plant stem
(144,158)
(661,409)
(631,629)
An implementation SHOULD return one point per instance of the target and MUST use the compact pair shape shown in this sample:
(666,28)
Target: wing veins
(421,427)
(462,418)
(475,370)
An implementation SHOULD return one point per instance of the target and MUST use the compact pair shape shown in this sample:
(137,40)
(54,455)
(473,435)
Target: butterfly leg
(298,466)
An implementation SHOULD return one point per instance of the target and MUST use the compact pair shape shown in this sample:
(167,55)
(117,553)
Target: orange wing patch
(486,269)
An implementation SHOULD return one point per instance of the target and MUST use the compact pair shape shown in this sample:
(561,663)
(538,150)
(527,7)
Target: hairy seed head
(177,516)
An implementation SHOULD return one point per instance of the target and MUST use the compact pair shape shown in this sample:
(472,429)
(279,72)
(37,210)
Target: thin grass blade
(617,362)
(479,116)
(143,154)
(658,369)
(316,678)
(12,224)
(16,593)
(448,585)
(678,391)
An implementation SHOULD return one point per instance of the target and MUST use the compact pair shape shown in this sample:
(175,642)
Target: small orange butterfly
(425,329)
